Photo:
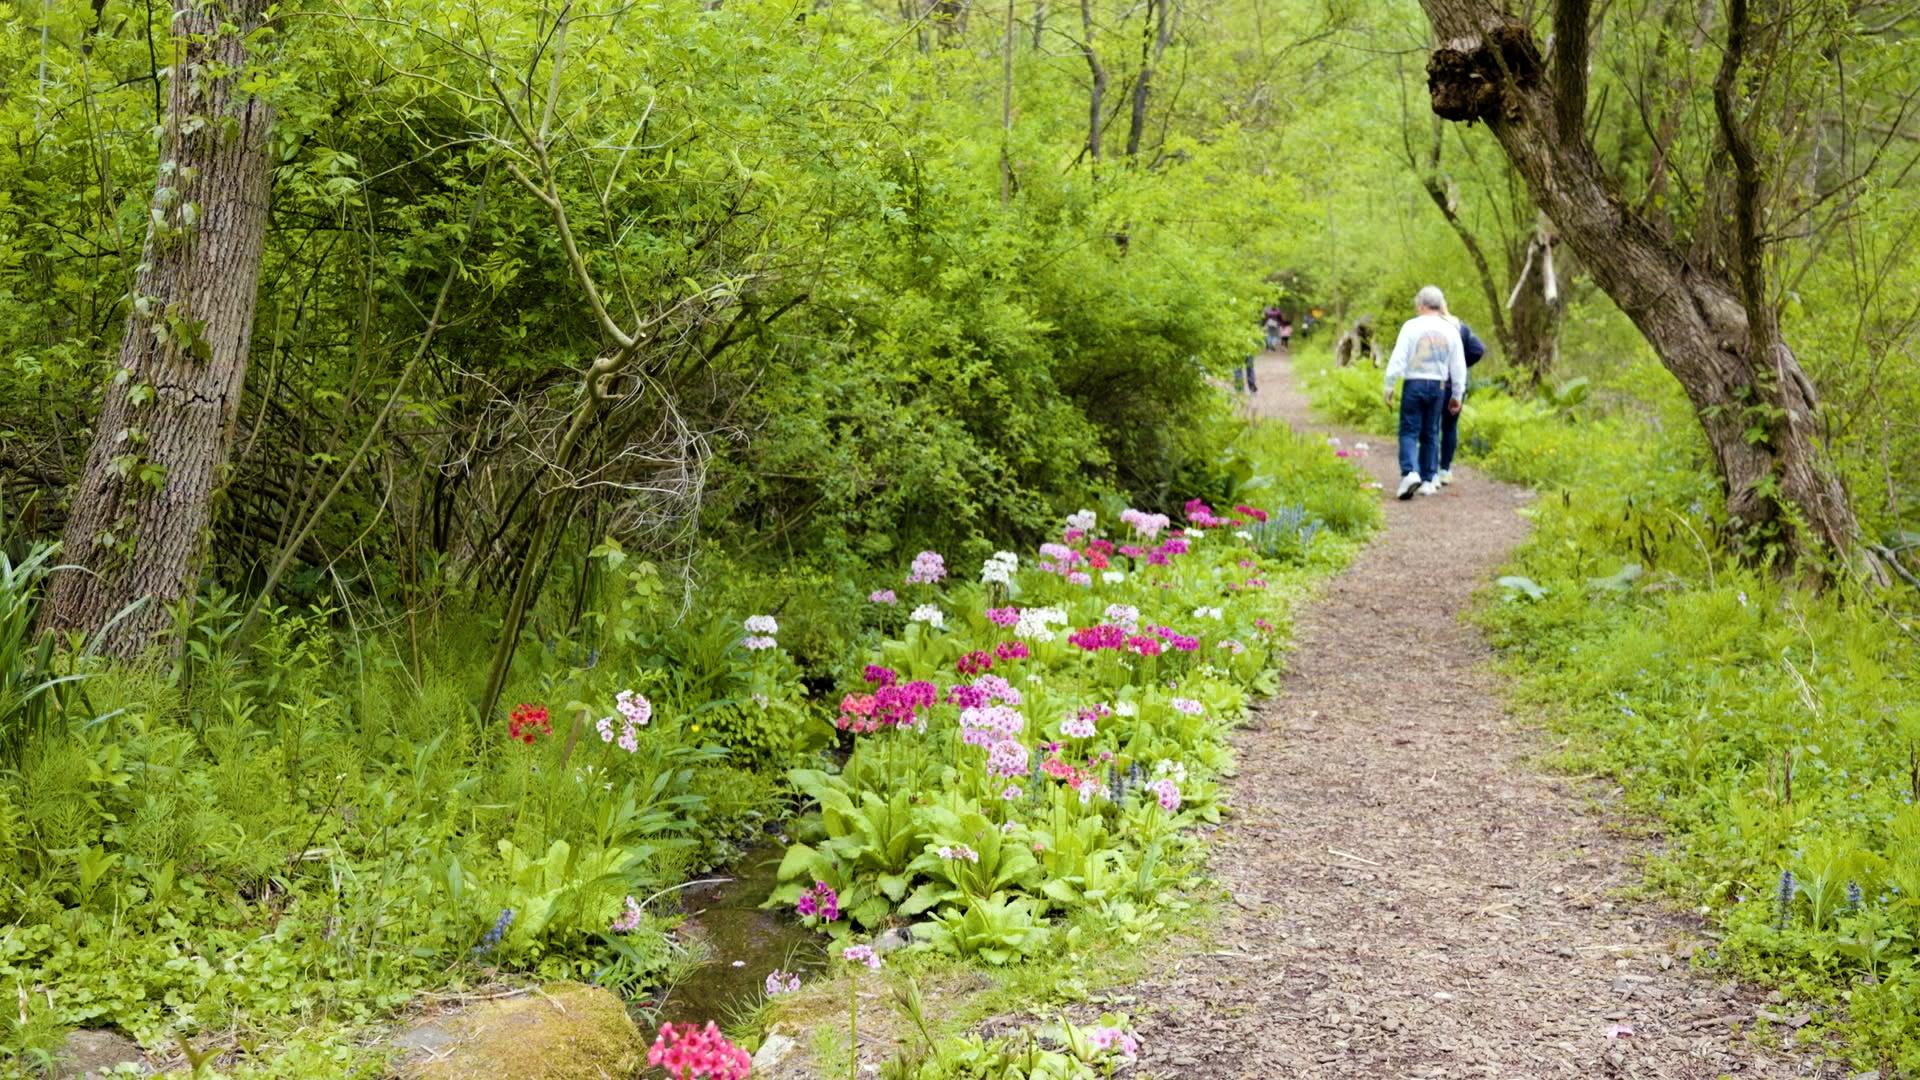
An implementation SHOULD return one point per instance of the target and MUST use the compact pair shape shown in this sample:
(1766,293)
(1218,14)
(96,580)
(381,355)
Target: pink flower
(1003,616)
(1007,758)
(781,982)
(690,1053)
(861,954)
(1188,706)
(928,568)
(629,920)
(1079,578)
(1011,650)
(1095,638)
(974,663)
(1116,1040)
(819,900)
(1168,793)
(1143,645)
(882,676)
(1011,793)
(882,596)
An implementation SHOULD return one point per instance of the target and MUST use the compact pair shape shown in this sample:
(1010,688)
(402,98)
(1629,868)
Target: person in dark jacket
(1450,419)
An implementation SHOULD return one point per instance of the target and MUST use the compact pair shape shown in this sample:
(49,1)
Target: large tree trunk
(1758,409)
(138,528)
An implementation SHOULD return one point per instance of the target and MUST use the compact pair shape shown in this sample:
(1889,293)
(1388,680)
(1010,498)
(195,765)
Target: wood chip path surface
(1413,895)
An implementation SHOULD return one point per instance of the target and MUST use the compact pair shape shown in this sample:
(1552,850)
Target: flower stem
(853,1026)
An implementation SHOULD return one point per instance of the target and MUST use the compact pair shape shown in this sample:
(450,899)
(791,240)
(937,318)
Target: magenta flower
(974,663)
(1095,638)
(1011,650)
(819,900)
(1003,616)
(882,676)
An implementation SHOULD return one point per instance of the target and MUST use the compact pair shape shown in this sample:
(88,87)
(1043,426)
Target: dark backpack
(1471,343)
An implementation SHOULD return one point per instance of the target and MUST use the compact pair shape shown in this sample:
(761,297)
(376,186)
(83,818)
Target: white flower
(762,624)
(1036,623)
(999,569)
(1084,521)
(929,614)
(1242,534)
(1113,577)
(1213,613)
(1126,708)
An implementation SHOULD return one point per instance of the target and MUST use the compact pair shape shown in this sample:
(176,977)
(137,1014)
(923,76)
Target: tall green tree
(138,527)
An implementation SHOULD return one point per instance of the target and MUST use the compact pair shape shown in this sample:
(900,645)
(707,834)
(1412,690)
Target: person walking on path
(1474,349)
(1270,317)
(1243,374)
(1286,332)
(1431,365)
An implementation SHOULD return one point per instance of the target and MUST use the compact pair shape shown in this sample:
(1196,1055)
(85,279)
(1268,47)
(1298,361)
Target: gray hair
(1430,298)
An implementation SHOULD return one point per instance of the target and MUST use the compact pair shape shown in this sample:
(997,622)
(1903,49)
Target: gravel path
(1411,895)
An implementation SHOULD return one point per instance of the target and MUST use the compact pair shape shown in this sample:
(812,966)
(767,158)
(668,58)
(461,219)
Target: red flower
(526,720)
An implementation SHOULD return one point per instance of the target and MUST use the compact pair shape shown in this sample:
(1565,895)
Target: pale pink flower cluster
(928,569)
(1168,792)
(989,725)
(1083,521)
(1078,727)
(1147,525)
(960,852)
(882,596)
(1116,1040)
(635,712)
(1125,616)
(1013,792)
(997,689)
(781,982)
(862,954)
(629,920)
(1188,706)
(1008,758)
(760,631)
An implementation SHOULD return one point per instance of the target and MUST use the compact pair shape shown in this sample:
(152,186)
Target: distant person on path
(1431,364)
(1270,325)
(1450,420)
(1286,332)
(1243,374)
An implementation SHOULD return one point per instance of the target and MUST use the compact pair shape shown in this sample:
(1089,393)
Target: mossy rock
(564,1031)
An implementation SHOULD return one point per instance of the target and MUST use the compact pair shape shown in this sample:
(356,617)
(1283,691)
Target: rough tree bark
(1757,408)
(137,532)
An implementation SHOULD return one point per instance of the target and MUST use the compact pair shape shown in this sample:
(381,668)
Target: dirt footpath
(1412,895)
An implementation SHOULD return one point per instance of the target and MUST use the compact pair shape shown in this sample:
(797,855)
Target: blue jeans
(1423,402)
(1243,377)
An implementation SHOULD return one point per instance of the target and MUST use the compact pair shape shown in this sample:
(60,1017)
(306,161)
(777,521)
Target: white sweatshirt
(1429,348)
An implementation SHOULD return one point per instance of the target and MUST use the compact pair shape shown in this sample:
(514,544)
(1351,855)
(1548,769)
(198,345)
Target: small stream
(727,916)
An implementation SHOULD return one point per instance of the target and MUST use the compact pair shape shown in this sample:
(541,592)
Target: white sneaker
(1429,488)
(1407,484)
(1445,477)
